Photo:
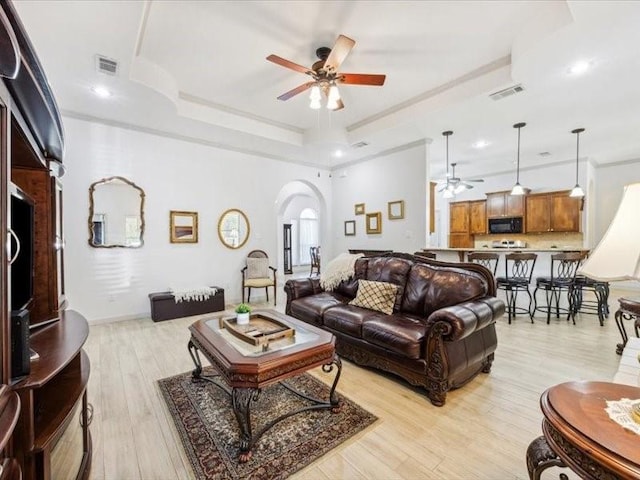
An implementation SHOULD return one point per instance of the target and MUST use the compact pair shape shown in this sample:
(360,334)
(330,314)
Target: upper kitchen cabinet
(553,212)
(503,204)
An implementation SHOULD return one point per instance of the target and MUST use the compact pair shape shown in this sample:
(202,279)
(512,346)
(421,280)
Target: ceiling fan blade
(362,79)
(479,180)
(338,53)
(288,64)
(296,91)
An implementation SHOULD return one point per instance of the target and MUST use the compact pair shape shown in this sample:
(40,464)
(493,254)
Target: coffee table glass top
(302,336)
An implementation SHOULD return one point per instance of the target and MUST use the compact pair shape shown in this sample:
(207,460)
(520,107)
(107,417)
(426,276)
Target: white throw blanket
(199,294)
(340,268)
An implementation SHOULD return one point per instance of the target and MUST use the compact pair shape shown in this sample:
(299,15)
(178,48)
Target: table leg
(193,351)
(620,317)
(241,401)
(540,457)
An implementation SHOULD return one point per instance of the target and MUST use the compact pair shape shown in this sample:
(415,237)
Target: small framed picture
(183,227)
(349,228)
(359,209)
(396,210)
(374,222)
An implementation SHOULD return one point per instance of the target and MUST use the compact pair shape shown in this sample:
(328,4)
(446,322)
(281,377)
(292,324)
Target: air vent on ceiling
(544,154)
(507,92)
(106,65)
(359,145)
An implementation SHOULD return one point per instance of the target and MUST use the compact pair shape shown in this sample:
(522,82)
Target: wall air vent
(544,154)
(507,92)
(359,145)
(106,65)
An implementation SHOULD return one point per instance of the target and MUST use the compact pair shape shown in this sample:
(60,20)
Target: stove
(508,244)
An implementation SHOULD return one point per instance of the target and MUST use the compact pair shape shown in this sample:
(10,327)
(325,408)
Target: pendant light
(517,188)
(577,190)
(448,189)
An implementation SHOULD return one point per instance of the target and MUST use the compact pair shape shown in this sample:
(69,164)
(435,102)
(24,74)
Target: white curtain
(308,234)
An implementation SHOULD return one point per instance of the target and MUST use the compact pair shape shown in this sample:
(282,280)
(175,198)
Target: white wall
(175,175)
(397,176)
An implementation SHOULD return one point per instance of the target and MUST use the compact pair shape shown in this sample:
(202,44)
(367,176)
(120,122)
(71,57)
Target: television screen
(22,226)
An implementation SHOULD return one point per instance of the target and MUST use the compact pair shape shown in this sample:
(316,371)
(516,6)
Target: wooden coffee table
(246,369)
(579,434)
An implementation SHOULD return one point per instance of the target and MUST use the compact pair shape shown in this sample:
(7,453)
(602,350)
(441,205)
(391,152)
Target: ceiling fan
(453,185)
(326,77)
(456,184)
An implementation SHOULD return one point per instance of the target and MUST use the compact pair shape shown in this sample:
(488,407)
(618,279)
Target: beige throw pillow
(378,296)
(257,267)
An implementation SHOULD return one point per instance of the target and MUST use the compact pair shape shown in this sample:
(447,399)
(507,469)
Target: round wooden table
(579,434)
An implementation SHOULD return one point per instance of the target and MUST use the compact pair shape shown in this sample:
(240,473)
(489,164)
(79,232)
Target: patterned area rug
(209,431)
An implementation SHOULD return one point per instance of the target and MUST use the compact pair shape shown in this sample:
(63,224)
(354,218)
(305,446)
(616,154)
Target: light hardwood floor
(481,433)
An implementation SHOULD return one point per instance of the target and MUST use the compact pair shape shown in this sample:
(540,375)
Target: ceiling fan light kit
(517,188)
(577,190)
(453,185)
(325,75)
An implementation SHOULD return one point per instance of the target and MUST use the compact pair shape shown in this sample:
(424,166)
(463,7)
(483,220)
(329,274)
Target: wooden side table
(629,310)
(579,434)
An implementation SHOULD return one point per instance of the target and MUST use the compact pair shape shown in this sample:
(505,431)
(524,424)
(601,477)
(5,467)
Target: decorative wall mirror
(233,228)
(116,213)
(183,227)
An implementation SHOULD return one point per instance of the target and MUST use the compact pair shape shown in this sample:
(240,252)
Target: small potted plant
(243,310)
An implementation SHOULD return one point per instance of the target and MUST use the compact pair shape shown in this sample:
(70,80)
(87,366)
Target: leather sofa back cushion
(390,270)
(349,288)
(430,288)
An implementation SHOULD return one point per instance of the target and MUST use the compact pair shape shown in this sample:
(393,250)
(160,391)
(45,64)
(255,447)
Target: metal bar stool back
(488,260)
(563,271)
(518,271)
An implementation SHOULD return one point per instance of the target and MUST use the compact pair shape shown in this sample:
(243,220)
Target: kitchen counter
(461,251)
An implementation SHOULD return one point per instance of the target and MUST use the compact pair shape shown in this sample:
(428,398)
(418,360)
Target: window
(308,234)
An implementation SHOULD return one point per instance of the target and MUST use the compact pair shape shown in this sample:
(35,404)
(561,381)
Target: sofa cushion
(378,296)
(431,287)
(348,319)
(311,308)
(391,270)
(398,333)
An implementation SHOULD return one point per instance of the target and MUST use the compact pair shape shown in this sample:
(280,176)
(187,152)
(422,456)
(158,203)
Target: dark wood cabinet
(477,217)
(459,228)
(552,212)
(31,145)
(503,204)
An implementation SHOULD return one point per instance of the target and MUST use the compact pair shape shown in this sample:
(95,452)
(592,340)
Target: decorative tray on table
(260,330)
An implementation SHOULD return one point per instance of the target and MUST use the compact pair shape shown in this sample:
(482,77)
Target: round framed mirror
(233,228)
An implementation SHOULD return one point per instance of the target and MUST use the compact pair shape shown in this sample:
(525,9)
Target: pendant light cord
(518,159)
(577,154)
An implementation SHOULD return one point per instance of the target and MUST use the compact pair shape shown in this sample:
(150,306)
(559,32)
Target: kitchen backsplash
(534,240)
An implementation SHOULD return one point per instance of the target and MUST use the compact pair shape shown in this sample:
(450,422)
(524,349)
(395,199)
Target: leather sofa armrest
(300,287)
(466,318)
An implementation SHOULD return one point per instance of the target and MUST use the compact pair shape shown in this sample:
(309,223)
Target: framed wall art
(396,210)
(374,222)
(359,209)
(349,228)
(183,227)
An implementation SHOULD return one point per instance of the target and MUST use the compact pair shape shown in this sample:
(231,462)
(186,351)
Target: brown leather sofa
(441,332)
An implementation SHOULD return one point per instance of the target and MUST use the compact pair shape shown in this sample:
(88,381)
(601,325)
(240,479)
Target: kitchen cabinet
(478,217)
(503,204)
(552,212)
(459,228)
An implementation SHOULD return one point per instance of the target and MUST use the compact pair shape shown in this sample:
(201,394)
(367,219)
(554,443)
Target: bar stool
(518,271)
(563,272)
(488,260)
(423,254)
(599,306)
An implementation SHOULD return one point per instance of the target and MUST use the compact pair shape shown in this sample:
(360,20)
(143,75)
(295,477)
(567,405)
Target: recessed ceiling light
(338,154)
(102,92)
(481,144)
(579,68)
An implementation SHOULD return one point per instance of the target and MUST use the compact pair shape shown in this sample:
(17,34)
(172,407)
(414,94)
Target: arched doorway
(301,205)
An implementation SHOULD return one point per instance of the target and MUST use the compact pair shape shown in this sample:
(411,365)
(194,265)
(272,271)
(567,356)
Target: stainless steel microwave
(505,225)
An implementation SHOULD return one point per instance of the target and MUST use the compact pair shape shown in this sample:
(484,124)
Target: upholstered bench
(165,307)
